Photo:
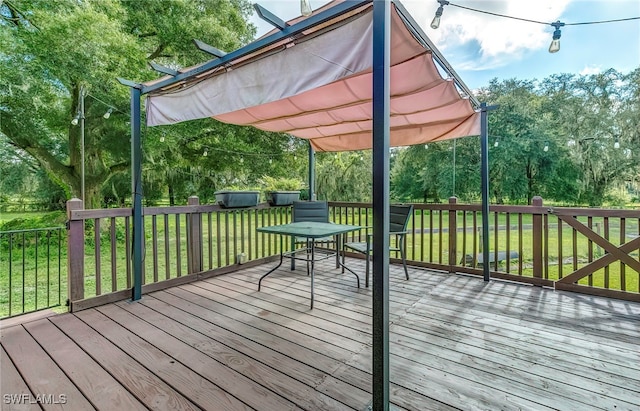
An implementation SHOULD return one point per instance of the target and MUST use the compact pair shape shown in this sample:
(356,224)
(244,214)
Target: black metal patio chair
(399,216)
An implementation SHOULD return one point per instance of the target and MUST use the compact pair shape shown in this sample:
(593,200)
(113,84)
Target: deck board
(13,385)
(219,344)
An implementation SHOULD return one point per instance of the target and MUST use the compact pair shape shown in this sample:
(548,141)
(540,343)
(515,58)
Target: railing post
(453,234)
(194,245)
(75,253)
(537,238)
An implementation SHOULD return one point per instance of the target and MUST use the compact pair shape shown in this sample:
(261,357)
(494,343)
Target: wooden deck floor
(219,344)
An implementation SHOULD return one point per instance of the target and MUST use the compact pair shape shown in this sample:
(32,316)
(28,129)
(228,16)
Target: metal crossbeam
(269,17)
(209,49)
(289,31)
(163,69)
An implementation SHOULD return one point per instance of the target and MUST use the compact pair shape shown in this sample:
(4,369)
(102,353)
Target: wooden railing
(593,251)
(179,242)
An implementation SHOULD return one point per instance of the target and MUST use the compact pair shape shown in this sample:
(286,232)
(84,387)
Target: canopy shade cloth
(317,85)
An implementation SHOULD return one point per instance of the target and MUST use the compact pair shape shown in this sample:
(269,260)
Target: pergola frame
(380,168)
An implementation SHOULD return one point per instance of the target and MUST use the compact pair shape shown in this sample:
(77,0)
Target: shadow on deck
(219,344)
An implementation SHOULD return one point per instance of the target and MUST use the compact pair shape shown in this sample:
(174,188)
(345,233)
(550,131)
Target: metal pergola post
(381,111)
(136,193)
(312,173)
(484,176)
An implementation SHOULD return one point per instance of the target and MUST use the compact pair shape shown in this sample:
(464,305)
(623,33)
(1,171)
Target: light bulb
(426,146)
(554,47)
(75,121)
(305,8)
(546,147)
(242,159)
(108,113)
(295,157)
(571,143)
(361,158)
(435,23)
(162,139)
(206,153)
(496,144)
(616,145)
(270,161)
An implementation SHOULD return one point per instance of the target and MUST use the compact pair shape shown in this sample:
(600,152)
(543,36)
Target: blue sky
(482,47)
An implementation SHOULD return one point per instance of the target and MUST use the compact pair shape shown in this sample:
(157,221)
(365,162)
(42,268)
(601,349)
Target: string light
(205,153)
(496,144)
(435,23)
(546,146)
(305,8)
(616,145)
(571,143)
(555,43)
(162,139)
(554,47)
(426,146)
(76,119)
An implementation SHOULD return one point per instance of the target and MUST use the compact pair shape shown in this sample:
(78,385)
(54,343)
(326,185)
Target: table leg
(274,268)
(343,261)
(313,246)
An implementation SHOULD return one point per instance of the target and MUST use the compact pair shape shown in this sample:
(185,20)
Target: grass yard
(227,234)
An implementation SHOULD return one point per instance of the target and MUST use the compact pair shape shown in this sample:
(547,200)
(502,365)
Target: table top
(309,229)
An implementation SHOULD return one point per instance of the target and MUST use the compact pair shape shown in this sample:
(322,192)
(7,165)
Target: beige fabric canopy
(318,86)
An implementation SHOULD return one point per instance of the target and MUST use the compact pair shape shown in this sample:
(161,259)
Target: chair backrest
(316,211)
(399,216)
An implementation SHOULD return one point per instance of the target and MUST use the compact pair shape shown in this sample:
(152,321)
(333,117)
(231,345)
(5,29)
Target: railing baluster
(440,236)
(23,267)
(545,247)
(114,269)
(127,247)
(249,230)
(49,266)
(226,237)
(623,279)
(560,256)
(10,271)
(606,267)
(178,246)
(520,244)
(218,241)
(496,247)
(507,223)
(96,252)
(36,273)
(167,259)
(154,229)
(210,239)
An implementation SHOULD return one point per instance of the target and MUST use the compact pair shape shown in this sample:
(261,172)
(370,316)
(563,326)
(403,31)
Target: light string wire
(543,22)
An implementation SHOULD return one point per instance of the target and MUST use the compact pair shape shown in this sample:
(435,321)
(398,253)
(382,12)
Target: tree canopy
(569,138)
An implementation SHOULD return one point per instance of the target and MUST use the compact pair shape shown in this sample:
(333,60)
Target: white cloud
(590,69)
(496,40)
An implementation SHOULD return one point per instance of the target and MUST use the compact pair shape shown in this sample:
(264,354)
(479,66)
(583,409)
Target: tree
(344,176)
(596,117)
(50,50)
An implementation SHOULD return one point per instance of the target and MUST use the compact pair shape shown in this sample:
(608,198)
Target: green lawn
(227,234)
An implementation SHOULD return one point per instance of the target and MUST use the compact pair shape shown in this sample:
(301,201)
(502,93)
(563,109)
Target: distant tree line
(51,50)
